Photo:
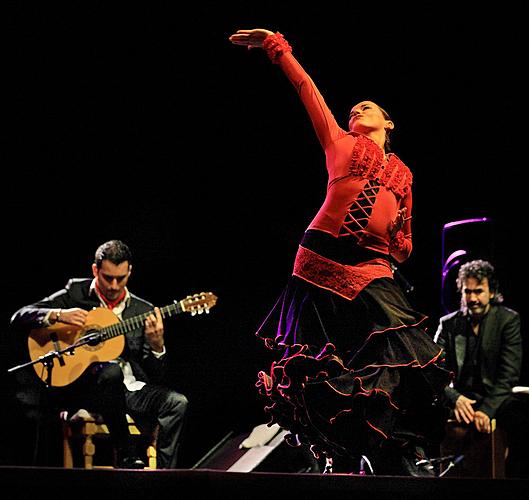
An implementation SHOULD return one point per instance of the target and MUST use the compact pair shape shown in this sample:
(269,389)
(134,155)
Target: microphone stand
(47,359)
(400,279)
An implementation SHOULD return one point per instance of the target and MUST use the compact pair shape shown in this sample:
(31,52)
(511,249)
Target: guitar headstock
(198,303)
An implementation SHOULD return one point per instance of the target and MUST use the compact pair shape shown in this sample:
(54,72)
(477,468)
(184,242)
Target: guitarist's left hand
(154,330)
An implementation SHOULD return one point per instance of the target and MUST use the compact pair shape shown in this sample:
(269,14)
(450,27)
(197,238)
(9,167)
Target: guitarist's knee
(107,373)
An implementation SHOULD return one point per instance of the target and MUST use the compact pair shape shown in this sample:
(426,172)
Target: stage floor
(58,483)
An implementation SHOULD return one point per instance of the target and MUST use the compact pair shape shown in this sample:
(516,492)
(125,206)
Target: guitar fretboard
(135,322)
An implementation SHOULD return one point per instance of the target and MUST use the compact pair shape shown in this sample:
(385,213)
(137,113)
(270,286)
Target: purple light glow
(452,261)
(464,221)
(456,257)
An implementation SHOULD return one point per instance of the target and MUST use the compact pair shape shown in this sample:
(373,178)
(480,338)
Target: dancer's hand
(250,38)
(397,224)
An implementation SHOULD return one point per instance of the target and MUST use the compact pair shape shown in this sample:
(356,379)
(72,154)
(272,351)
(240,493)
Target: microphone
(93,338)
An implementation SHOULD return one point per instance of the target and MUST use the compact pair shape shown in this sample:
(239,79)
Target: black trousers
(101,390)
(156,405)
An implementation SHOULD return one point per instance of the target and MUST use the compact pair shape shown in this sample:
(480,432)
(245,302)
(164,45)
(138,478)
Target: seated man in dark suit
(482,345)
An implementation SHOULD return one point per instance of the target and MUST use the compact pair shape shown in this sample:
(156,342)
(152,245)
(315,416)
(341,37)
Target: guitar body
(60,336)
(78,354)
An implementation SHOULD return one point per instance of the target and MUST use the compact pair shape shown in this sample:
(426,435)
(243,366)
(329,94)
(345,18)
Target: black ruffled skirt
(352,376)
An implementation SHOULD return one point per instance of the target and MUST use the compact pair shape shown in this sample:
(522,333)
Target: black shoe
(417,466)
(131,463)
(395,461)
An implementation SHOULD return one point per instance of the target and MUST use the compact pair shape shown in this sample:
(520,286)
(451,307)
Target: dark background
(142,122)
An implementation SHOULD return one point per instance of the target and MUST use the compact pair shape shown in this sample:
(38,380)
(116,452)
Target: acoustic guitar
(100,339)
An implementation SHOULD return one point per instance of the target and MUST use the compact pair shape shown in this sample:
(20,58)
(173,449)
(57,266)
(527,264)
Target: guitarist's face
(112,278)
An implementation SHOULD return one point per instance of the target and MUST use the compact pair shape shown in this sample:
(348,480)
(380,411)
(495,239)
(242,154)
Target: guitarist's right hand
(73,316)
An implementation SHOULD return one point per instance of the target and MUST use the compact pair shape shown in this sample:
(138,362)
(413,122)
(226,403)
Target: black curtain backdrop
(144,123)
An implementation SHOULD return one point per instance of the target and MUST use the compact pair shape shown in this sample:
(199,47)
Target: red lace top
(364,190)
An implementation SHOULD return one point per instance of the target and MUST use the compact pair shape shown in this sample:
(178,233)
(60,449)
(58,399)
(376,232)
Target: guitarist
(132,382)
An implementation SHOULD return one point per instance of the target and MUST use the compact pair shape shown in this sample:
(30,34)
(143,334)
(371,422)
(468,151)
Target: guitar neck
(135,322)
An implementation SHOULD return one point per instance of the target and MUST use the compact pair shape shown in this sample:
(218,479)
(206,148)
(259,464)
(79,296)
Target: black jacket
(500,353)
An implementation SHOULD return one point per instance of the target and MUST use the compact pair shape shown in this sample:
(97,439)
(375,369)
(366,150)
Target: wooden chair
(481,455)
(84,430)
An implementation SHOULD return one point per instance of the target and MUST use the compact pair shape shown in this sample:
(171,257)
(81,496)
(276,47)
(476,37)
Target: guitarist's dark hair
(115,251)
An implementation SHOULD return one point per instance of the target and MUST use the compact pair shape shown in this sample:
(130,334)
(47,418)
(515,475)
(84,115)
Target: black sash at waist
(344,250)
